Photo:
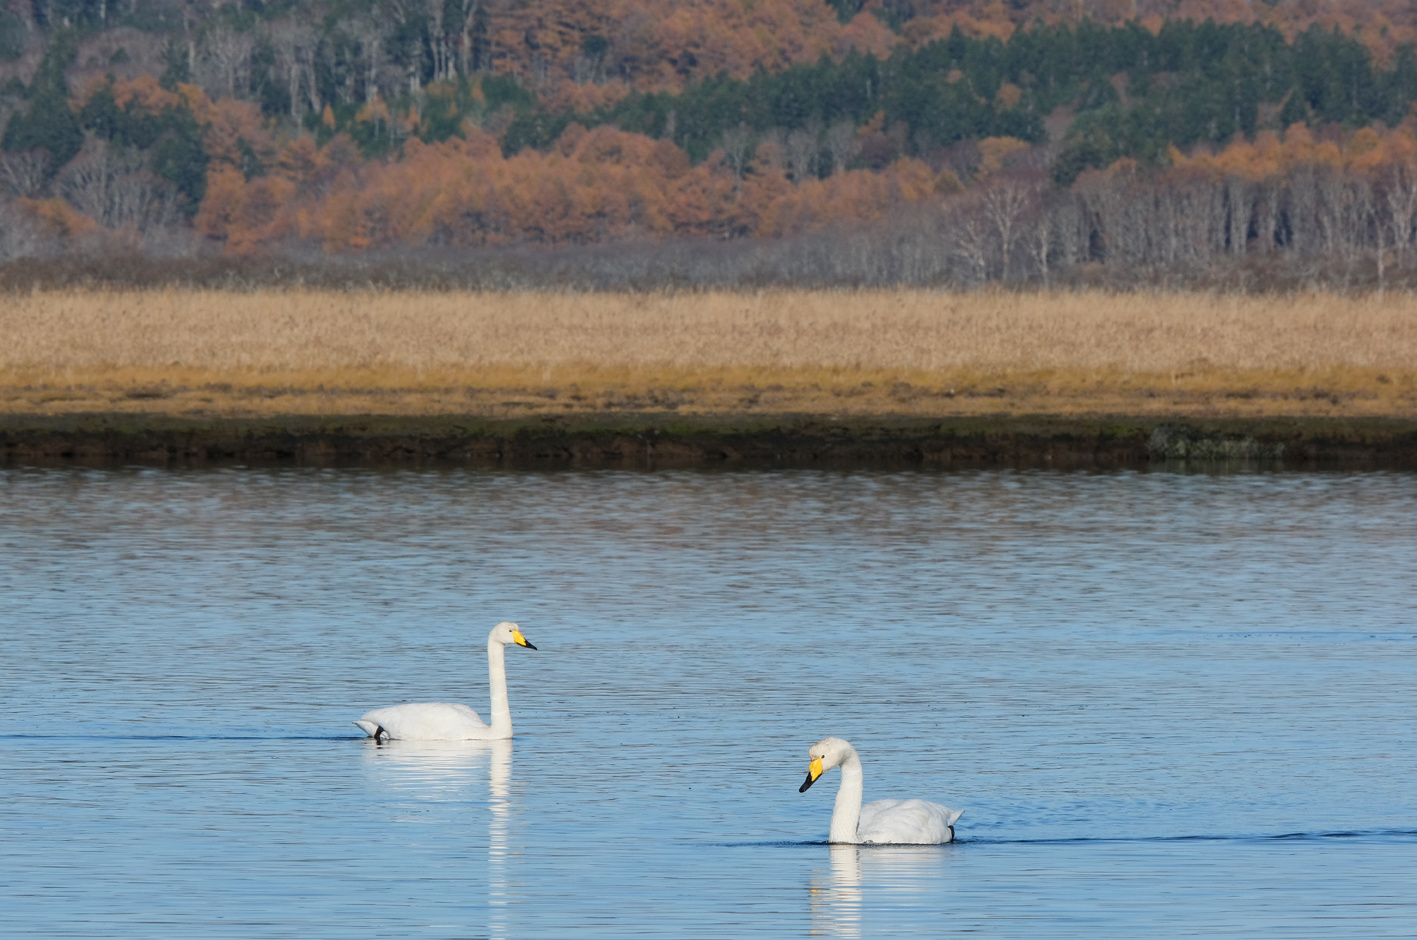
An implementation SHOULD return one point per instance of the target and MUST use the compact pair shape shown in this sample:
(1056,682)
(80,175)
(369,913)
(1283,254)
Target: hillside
(1257,144)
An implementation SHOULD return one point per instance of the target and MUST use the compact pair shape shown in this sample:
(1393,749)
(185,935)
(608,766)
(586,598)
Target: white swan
(883,821)
(440,721)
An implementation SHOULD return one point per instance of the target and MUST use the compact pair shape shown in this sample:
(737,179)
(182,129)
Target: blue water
(1170,704)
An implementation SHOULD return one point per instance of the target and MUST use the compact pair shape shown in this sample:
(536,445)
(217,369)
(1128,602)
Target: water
(1170,704)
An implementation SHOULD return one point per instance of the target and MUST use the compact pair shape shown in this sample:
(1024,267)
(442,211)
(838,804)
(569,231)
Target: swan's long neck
(846,814)
(497,682)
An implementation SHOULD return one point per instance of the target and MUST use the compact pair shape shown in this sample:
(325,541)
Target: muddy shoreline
(649,441)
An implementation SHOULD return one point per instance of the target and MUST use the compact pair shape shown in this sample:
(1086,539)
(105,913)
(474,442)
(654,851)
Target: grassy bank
(918,353)
(658,440)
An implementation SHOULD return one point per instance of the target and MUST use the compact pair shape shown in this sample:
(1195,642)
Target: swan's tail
(955,814)
(369,727)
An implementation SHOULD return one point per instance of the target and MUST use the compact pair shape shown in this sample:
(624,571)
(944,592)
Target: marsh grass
(817,351)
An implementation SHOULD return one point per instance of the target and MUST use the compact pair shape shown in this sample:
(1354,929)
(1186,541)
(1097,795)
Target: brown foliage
(57,217)
(592,186)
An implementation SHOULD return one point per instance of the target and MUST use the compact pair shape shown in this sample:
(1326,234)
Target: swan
(440,721)
(883,821)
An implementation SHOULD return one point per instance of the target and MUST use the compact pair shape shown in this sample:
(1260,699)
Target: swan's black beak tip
(529,645)
(806,783)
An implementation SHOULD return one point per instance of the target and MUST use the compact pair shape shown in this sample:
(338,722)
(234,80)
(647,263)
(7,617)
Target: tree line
(1014,155)
(646,44)
(1133,92)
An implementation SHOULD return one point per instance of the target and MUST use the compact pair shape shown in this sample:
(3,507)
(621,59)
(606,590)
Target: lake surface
(1170,704)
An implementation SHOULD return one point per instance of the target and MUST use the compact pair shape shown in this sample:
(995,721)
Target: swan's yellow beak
(814,770)
(520,640)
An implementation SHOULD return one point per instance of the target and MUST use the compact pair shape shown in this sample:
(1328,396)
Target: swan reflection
(433,769)
(499,776)
(451,770)
(836,899)
(912,875)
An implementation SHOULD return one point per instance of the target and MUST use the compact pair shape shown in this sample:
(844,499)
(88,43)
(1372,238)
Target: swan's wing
(916,822)
(425,721)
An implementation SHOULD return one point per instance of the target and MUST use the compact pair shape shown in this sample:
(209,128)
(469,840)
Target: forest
(719,142)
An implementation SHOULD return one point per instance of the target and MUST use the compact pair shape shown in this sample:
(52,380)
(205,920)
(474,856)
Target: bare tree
(842,144)
(802,149)
(1400,193)
(1072,231)
(112,186)
(770,155)
(1352,213)
(1101,206)
(294,44)
(143,202)
(1005,201)
(1300,210)
(24,173)
(1267,201)
(467,16)
(1169,198)
(1329,208)
(969,237)
(438,40)
(1380,235)
(370,36)
(406,13)
(1239,200)
(86,182)
(226,61)
(1044,234)
(19,236)
(737,143)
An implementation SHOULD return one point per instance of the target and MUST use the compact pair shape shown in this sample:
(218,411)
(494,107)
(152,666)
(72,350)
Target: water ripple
(1168,703)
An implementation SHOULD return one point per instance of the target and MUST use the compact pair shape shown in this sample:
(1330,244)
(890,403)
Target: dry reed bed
(1056,344)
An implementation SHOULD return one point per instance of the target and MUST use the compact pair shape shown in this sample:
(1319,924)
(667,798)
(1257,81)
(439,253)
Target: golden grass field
(912,352)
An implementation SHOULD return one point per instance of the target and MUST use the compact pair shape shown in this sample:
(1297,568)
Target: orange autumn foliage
(1269,156)
(57,217)
(594,185)
(235,132)
(865,33)
(995,151)
(581,97)
(301,160)
(663,43)
(221,210)
(142,93)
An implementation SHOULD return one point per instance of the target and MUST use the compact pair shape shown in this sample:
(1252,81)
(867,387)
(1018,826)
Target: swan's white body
(441,721)
(916,822)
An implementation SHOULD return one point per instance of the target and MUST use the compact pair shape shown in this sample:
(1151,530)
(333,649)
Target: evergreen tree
(46,122)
